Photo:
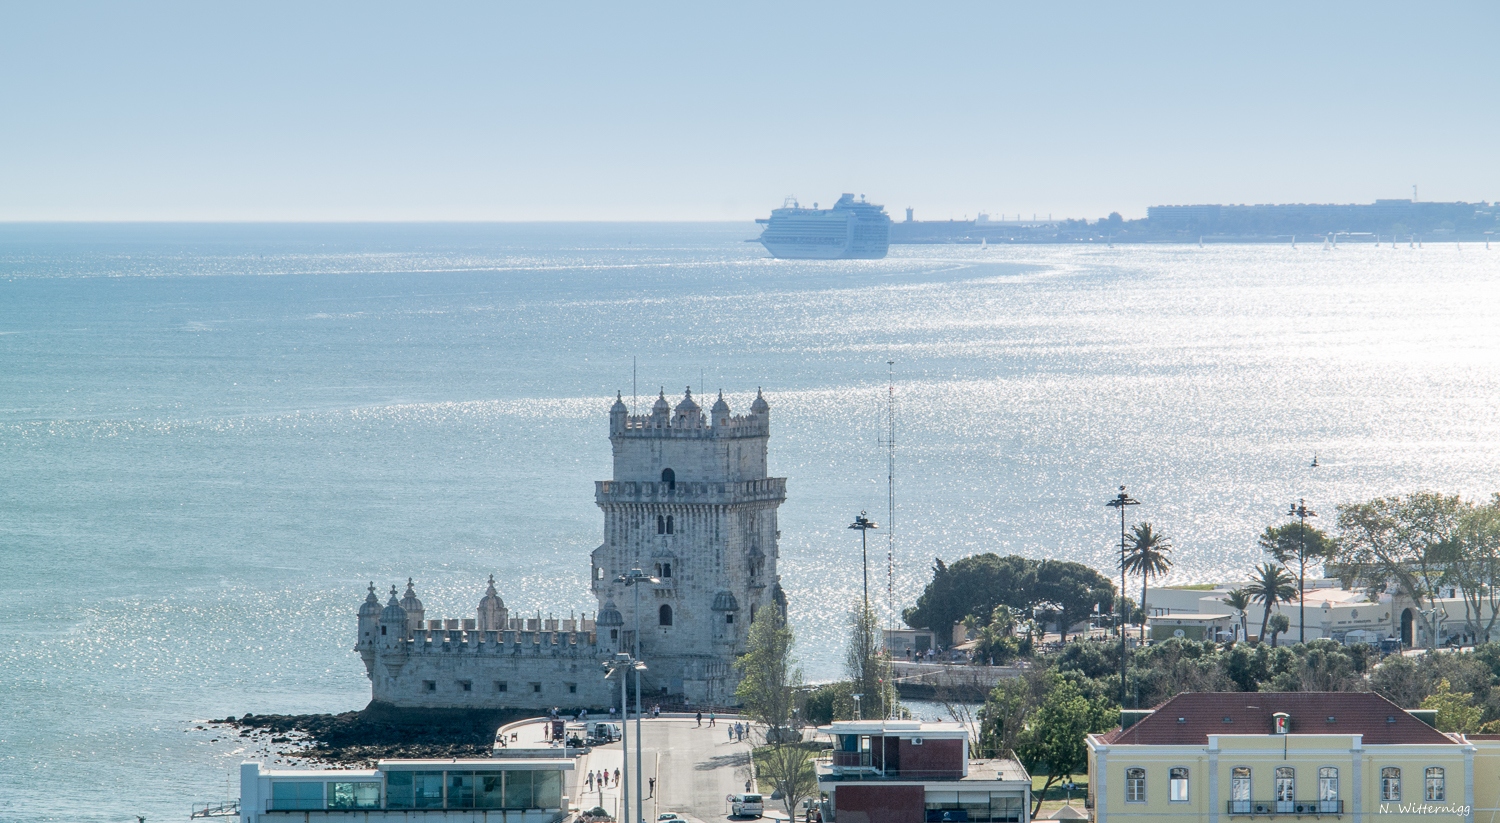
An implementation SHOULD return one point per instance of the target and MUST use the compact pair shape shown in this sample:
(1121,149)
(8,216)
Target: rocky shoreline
(376,732)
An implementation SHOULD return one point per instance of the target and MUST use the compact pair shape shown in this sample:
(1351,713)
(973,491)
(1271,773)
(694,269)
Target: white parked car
(746,805)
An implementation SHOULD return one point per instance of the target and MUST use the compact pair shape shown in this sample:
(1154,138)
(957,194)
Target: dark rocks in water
(384,731)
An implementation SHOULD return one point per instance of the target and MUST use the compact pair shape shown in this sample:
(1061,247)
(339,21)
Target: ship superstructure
(851,230)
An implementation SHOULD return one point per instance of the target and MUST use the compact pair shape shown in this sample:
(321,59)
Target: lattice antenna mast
(890,482)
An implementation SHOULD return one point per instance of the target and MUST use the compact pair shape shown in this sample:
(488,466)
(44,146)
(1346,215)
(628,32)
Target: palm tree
(1148,556)
(1272,585)
(1239,600)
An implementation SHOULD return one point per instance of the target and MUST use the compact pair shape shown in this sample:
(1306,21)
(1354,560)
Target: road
(695,769)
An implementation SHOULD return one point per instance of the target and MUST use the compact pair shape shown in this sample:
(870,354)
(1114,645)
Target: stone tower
(690,504)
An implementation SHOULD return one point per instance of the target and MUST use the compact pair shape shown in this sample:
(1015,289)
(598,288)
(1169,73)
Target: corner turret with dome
(691,499)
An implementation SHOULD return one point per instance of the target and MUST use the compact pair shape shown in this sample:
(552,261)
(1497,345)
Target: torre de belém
(689,504)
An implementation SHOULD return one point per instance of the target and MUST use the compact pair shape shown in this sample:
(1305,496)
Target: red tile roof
(1189,718)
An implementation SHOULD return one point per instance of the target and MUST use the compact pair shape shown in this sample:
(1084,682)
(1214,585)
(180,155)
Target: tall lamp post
(634,579)
(863,525)
(1120,501)
(621,664)
(1302,512)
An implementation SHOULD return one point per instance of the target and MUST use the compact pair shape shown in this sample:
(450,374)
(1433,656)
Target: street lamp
(1302,512)
(1120,501)
(856,697)
(621,664)
(863,525)
(633,579)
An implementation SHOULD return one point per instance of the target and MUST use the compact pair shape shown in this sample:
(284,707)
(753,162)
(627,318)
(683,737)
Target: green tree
(1271,586)
(1054,737)
(973,585)
(1147,554)
(867,665)
(1239,600)
(1294,546)
(788,768)
(1475,566)
(1456,711)
(1280,624)
(1072,591)
(1408,541)
(769,678)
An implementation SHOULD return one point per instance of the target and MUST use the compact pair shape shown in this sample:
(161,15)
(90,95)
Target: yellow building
(1244,755)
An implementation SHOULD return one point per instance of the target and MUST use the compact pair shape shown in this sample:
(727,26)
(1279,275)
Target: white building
(691,504)
(516,790)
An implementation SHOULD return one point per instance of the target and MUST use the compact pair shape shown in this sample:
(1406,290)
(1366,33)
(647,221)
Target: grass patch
(1057,793)
(1196,587)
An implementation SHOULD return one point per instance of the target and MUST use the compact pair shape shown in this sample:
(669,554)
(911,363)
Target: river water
(212,437)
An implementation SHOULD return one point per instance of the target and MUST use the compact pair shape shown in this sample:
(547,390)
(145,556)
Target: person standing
(699,717)
(652,783)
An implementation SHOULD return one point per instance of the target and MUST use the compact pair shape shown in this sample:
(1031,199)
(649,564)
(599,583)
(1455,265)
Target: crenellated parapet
(769,489)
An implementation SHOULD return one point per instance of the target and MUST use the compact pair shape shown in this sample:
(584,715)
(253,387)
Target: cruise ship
(851,230)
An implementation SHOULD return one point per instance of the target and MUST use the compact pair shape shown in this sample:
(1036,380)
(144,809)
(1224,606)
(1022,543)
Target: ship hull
(849,231)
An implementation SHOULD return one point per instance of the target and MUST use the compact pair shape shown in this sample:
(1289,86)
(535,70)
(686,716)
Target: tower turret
(369,629)
(492,611)
(661,410)
(760,406)
(392,649)
(688,414)
(609,622)
(412,606)
(719,414)
(618,414)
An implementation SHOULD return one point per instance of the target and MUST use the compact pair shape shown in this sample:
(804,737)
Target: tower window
(729,618)
(502,686)
(664,615)
(661,524)
(430,685)
(666,570)
(382,631)
(669,524)
(669,477)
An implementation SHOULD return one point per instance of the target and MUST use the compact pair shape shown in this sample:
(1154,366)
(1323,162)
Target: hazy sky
(710,111)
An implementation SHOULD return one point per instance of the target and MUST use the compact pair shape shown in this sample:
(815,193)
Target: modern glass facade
(973,807)
(504,789)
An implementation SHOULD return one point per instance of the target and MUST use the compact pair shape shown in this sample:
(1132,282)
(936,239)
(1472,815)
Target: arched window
(1239,790)
(1436,790)
(664,615)
(669,524)
(1135,785)
(661,524)
(669,477)
(1328,790)
(1390,784)
(1177,785)
(1286,789)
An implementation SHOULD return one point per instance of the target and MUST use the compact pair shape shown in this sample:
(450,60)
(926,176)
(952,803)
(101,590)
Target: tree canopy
(973,586)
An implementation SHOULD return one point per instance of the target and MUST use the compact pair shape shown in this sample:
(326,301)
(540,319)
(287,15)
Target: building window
(1328,790)
(1135,785)
(1286,789)
(1436,790)
(502,686)
(1239,790)
(598,572)
(1390,784)
(361,795)
(289,796)
(664,570)
(729,618)
(1177,785)
(661,524)
(669,524)
(382,631)
(429,685)
(614,634)
(572,688)
(669,477)
(664,615)
(536,688)
(466,685)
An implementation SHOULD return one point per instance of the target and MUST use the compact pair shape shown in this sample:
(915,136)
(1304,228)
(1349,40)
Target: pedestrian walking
(652,783)
(731,730)
(589,781)
(712,718)
(698,717)
(617,776)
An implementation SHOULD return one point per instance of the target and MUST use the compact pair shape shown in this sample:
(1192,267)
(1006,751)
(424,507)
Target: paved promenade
(695,769)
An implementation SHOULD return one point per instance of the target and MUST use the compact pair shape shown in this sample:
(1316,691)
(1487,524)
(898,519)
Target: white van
(746,805)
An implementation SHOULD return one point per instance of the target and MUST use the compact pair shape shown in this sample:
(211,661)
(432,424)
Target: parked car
(746,805)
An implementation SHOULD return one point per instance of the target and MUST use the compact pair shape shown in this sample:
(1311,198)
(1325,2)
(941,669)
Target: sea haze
(213,437)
